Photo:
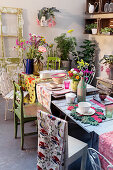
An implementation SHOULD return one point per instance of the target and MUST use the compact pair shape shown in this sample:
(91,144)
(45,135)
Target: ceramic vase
(43,22)
(81,91)
(74,85)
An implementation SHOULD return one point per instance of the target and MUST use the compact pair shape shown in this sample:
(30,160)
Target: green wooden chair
(24,113)
(52,63)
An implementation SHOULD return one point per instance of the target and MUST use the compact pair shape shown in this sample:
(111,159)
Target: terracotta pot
(37,67)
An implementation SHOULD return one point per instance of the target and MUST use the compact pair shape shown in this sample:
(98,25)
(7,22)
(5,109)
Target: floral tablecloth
(28,81)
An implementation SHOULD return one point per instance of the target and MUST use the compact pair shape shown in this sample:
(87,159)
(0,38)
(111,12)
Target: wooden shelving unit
(99,16)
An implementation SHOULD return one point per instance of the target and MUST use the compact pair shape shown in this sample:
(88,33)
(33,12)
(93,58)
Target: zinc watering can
(28,65)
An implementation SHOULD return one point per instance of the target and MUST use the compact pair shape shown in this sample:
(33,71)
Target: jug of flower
(28,65)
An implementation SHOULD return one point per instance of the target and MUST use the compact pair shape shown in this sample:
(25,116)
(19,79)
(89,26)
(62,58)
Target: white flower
(75,72)
(81,73)
(72,69)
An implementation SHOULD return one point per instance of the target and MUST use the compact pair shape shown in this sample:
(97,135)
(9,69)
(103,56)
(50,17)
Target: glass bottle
(106,7)
(111,6)
(81,91)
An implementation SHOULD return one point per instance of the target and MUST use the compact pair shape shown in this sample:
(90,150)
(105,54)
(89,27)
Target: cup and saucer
(84,108)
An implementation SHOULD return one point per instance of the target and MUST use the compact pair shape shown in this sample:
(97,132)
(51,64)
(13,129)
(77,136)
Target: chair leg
(84,158)
(22,134)
(6,109)
(16,124)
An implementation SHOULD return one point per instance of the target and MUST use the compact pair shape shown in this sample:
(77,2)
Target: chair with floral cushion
(57,150)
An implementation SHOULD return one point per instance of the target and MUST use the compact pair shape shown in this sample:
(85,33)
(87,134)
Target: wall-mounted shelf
(99,7)
(98,17)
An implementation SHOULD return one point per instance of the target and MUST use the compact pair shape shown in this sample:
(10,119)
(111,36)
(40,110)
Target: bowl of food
(58,78)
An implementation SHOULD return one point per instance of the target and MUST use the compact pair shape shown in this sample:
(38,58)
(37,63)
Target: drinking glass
(109,111)
(66,84)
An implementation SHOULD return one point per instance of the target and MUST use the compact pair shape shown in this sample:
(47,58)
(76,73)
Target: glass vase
(74,85)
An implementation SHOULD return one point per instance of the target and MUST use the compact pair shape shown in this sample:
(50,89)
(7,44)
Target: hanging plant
(46,16)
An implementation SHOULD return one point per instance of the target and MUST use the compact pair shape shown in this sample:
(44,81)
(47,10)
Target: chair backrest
(18,99)
(6,84)
(95,161)
(52,62)
(90,75)
(52,142)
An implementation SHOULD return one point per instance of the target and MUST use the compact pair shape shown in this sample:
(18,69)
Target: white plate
(55,89)
(90,112)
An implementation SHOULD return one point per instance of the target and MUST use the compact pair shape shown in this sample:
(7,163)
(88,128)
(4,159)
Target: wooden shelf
(102,21)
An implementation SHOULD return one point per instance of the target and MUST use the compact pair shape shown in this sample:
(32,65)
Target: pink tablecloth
(106,148)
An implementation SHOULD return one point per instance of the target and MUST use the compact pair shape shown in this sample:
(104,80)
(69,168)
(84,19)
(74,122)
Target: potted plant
(65,45)
(106,30)
(46,16)
(108,60)
(32,50)
(92,27)
(87,53)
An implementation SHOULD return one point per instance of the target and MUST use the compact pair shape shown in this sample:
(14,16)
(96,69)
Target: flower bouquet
(32,49)
(76,73)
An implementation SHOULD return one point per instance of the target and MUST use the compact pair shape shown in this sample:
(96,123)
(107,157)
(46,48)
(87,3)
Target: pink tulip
(38,22)
(41,49)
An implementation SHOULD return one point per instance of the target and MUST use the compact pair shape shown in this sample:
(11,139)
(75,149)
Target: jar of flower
(75,75)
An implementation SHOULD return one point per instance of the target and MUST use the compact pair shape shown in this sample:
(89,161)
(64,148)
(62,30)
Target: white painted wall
(71,17)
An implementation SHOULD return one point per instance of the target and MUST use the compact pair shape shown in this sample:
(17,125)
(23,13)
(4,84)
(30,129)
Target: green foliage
(47,12)
(91,26)
(107,59)
(65,45)
(106,29)
(87,53)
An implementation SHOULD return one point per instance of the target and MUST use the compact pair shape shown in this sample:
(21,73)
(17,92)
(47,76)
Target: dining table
(96,131)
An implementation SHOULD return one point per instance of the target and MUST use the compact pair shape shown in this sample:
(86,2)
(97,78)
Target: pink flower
(50,24)
(108,71)
(54,23)
(27,42)
(41,49)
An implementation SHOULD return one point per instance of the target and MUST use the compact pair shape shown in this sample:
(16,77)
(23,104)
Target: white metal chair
(55,148)
(95,161)
(7,90)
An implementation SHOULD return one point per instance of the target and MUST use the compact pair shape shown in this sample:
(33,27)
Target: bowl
(84,107)
(58,78)
(70,97)
(102,96)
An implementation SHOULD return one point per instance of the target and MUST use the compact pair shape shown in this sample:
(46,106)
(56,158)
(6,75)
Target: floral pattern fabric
(28,81)
(44,96)
(52,138)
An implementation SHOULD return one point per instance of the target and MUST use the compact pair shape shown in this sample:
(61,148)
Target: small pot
(106,33)
(94,31)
